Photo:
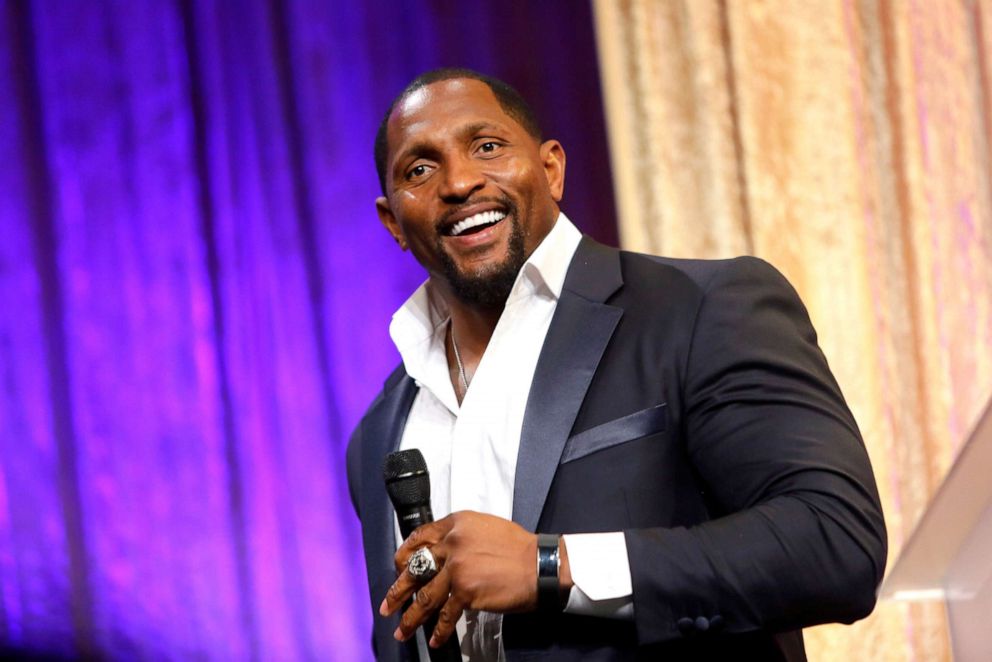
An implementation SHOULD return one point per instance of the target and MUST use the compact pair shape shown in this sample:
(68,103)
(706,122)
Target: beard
(490,287)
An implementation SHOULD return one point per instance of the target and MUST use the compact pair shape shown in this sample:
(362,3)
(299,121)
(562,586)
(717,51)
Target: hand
(486,563)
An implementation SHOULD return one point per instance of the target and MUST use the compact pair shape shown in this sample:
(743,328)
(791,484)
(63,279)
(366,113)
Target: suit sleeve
(797,536)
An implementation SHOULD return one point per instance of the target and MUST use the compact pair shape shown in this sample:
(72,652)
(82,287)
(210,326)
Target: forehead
(443,107)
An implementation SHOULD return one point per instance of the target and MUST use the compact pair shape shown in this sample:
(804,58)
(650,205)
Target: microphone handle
(413,517)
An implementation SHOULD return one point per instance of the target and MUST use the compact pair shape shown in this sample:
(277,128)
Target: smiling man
(469,188)
(630,456)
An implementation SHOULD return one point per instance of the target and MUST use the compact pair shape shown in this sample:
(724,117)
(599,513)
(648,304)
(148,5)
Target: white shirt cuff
(601,574)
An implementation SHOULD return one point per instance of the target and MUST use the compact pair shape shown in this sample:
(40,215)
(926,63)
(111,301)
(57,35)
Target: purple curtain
(194,295)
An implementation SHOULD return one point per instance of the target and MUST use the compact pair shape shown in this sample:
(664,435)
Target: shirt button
(685,625)
(702,624)
(716,622)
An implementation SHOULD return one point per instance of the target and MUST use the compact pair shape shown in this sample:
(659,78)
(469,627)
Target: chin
(487,285)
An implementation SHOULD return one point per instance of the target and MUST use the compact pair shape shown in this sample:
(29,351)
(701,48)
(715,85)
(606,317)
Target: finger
(406,584)
(447,619)
(428,599)
(398,593)
(427,535)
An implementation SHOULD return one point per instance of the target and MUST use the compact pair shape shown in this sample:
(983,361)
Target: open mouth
(476,223)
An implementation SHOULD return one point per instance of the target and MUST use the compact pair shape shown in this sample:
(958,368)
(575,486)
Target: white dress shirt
(471,450)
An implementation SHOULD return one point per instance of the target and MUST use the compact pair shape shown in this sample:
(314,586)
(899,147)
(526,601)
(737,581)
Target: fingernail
(433,642)
(398,635)
(383,609)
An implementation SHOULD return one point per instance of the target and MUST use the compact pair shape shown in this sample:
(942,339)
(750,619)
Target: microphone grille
(407,480)
(403,462)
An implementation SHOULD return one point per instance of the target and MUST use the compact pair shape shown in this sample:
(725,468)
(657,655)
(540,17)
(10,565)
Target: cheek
(519,180)
(413,216)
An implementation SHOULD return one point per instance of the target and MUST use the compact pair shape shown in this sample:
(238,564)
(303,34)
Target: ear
(553,159)
(387,218)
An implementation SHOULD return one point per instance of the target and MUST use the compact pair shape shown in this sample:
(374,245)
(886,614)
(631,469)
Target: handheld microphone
(409,487)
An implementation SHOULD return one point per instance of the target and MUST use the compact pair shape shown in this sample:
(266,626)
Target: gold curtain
(848,143)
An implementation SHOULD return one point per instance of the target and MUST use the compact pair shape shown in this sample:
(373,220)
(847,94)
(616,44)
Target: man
(677,412)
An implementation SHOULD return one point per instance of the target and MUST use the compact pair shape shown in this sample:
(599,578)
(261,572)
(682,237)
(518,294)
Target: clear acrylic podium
(949,555)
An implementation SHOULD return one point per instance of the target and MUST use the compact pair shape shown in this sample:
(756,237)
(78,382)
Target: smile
(476,222)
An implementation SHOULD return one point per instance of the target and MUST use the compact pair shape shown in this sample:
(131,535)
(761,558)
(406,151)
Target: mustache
(503,201)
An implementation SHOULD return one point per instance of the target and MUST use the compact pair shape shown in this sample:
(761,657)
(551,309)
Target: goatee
(490,287)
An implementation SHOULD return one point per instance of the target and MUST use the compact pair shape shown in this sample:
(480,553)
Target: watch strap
(548,565)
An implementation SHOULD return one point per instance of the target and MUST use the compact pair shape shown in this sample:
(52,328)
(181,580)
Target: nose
(461,177)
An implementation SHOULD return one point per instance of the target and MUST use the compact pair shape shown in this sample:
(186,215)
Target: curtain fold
(848,143)
(194,300)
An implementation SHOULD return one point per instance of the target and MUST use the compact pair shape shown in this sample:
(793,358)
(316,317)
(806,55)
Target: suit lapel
(579,333)
(382,430)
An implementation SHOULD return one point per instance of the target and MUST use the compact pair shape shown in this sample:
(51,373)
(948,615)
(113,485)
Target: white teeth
(482,218)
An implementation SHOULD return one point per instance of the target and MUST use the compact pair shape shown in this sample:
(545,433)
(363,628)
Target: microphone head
(407,480)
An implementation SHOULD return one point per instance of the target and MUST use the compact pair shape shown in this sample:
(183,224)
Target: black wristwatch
(549,594)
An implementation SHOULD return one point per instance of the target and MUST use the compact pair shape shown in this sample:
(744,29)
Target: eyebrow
(423,147)
(478,127)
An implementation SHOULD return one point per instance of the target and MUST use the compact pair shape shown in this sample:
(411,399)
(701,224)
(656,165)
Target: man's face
(468,189)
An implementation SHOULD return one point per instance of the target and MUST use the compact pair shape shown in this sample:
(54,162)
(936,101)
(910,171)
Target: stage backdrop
(847,142)
(194,294)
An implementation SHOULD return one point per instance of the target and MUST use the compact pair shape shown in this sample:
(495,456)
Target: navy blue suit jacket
(686,403)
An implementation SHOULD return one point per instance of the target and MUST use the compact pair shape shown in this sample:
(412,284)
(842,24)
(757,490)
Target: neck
(473,327)
(469,335)
(473,324)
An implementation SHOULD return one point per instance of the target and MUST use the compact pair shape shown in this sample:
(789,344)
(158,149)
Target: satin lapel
(382,430)
(580,330)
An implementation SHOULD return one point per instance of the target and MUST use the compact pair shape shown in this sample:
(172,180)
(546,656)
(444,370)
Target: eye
(417,171)
(489,147)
